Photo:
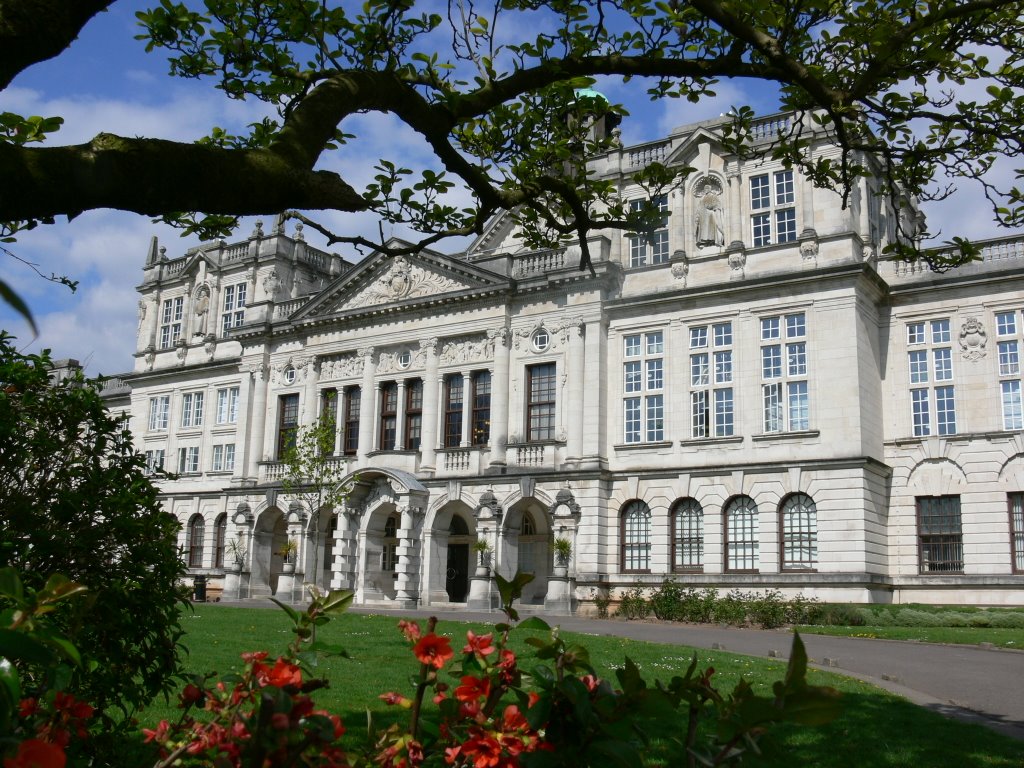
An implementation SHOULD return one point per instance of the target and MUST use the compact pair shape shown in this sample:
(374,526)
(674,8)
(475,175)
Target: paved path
(981,685)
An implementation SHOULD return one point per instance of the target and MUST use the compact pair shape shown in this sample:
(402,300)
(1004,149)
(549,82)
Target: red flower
(481,645)
(484,750)
(159,735)
(473,688)
(27,708)
(191,694)
(252,656)
(410,629)
(33,753)
(283,673)
(591,682)
(392,699)
(433,650)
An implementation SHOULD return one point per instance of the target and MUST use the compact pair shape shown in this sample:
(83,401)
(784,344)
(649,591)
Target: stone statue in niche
(202,310)
(709,220)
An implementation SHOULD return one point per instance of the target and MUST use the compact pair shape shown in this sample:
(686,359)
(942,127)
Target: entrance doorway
(457,567)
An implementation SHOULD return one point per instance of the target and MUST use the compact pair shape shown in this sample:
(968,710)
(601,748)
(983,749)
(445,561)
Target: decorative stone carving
(428,345)
(809,249)
(499,335)
(150,357)
(709,220)
(680,266)
(181,351)
(403,281)
(390,361)
(258,371)
(201,303)
(467,351)
(143,304)
(737,261)
(869,255)
(973,339)
(271,284)
(488,507)
(347,367)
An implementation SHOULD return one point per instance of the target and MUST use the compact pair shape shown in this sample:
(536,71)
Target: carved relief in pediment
(403,281)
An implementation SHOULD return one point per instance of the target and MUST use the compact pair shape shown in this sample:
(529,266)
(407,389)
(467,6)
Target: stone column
(367,406)
(574,442)
(467,408)
(399,416)
(254,452)
(309,393)
(737,232)
(499,395)
(431,387)
(345,556)
(406,585)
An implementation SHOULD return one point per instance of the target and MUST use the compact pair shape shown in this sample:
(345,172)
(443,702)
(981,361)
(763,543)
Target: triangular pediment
(690,152)
(382,280)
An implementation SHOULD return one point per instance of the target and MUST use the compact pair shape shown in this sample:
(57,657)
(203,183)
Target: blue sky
(107,83)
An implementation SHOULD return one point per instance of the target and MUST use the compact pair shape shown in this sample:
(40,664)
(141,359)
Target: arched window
(798,526)
(687,536)
(741,534)
(389,554)
(636,537)
(220,531)
(196,531)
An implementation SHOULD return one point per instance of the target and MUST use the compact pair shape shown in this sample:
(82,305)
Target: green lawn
(997,636)
(876,728)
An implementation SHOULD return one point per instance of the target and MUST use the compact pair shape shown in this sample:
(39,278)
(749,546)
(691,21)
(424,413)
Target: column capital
(366,352)
(429,344)
(499,335)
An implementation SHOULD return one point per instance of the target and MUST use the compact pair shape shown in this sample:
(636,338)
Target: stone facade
(749,397)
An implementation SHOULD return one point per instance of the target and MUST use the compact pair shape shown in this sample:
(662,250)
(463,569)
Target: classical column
(254,452)
(596,344)
(408,558)
(499,395)
(343,567)
(368,403)
(574,442)
(399,416)
(737,232)
(467,408)
(309,394)
(428,443)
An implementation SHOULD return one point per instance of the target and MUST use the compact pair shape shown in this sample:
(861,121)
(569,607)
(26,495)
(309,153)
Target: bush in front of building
(77,501)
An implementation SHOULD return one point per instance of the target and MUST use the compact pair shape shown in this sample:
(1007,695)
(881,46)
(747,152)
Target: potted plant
(287,553)
(238,551)
(482,547)
(563,551)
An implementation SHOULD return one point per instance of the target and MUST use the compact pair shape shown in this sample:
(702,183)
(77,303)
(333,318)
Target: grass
(997,636)
(875,729)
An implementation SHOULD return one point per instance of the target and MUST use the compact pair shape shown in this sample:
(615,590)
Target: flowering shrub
(474,707)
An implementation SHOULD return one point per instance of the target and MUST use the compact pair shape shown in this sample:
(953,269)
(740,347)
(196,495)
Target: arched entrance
(528,542)
(268,537)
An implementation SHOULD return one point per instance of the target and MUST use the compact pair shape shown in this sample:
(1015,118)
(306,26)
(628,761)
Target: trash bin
(199,589)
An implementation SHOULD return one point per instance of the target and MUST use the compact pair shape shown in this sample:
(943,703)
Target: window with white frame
(651,247)
(159,412)
(711,393)
(188,460)
(930,367)
(687,536)
(772,198)
(784,393)
(798,525)
(389,550)
(643,387)
(170,321)
(154,460)
(223,458)
(192,409)
(233,311)
(636,537)
(1008,334)
(741,535)
(227,405)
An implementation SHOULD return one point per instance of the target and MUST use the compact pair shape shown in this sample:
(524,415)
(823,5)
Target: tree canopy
(920,89)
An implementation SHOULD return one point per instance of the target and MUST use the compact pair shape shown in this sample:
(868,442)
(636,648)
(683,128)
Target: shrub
(768,611)
(667,602)
(1006,619)
(76,500)
(731,609)
(633,604)
(910,617)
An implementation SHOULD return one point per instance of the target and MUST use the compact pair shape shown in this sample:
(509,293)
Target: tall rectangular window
(188,460)
(170,321)
(350,442)
(388,416)
(192,409)
(480,434)
(930,373)
(643,387)
(227,405)
(1017,532)
(159,412)
(651,247)
(233,311)
(540,402)
(940,534)
(413,414)
(711,375)
(223,458)
(154,461)
(772,205)
(1008,330)
(453,395)
(784,393)
(287,423)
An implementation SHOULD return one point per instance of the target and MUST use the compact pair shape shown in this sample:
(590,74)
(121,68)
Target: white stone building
(748,398)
